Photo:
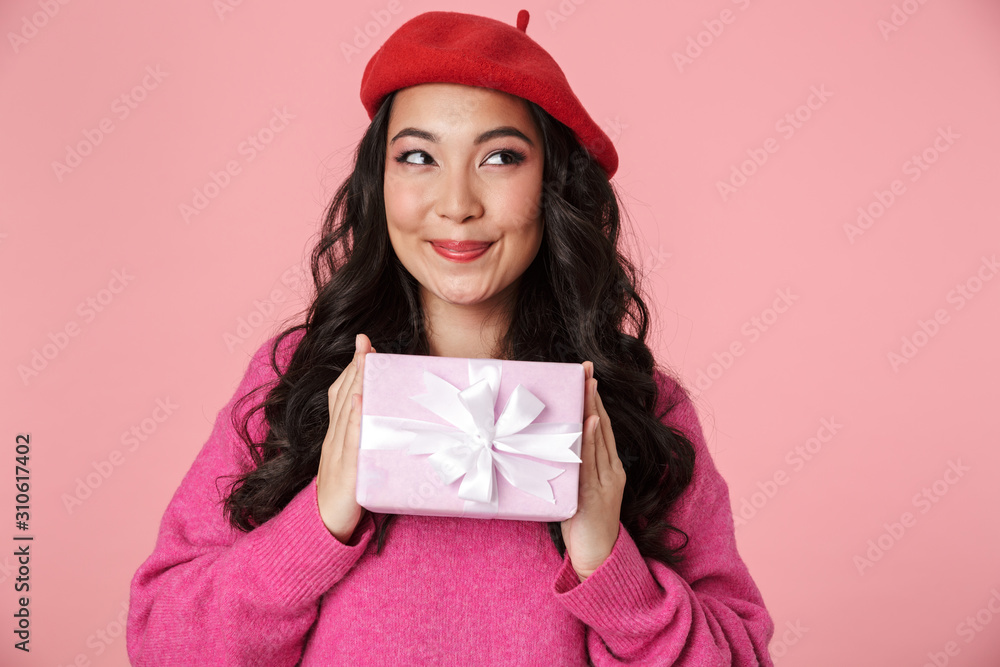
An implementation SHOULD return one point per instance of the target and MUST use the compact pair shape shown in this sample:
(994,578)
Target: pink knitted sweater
(444,591)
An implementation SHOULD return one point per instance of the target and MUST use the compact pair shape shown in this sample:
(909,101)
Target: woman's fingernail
(357,342)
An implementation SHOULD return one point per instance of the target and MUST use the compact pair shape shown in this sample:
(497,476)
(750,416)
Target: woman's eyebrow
(505,131)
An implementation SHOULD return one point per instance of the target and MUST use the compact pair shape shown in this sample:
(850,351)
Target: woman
(475,224)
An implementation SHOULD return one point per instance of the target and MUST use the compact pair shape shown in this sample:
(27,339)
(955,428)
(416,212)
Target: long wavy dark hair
(578,300)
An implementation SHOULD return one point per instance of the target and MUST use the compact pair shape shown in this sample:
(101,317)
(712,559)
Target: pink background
(175,328)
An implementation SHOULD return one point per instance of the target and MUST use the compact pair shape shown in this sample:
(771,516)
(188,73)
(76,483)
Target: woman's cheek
(530,198)
(524,203)
(403,206)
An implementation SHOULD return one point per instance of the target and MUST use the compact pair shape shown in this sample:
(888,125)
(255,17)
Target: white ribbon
(477,447)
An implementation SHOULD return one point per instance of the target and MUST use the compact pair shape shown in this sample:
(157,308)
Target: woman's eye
(405,157)
(512,157)
(502,158)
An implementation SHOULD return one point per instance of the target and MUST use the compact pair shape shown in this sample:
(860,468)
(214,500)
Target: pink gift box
(484,438)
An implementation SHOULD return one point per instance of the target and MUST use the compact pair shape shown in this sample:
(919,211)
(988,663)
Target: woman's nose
(458,196)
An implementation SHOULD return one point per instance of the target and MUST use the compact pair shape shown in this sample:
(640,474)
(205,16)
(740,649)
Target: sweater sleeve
(706,611)
(210,594)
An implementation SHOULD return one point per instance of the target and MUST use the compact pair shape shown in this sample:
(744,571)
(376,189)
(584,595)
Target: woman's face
(463,164)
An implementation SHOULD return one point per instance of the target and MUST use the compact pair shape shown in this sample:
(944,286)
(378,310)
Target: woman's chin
(458,297)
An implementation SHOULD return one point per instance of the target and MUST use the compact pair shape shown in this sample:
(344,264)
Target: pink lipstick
(460,251)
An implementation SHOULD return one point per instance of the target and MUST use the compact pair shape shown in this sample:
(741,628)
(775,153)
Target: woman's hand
(336,480)
(590,534)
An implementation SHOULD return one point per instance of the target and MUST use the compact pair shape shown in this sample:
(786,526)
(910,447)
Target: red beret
(477,51)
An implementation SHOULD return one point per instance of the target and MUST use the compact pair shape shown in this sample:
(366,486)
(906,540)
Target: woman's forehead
(451,107)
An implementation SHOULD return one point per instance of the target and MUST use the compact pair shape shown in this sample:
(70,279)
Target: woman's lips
(460,246)
(464,251)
